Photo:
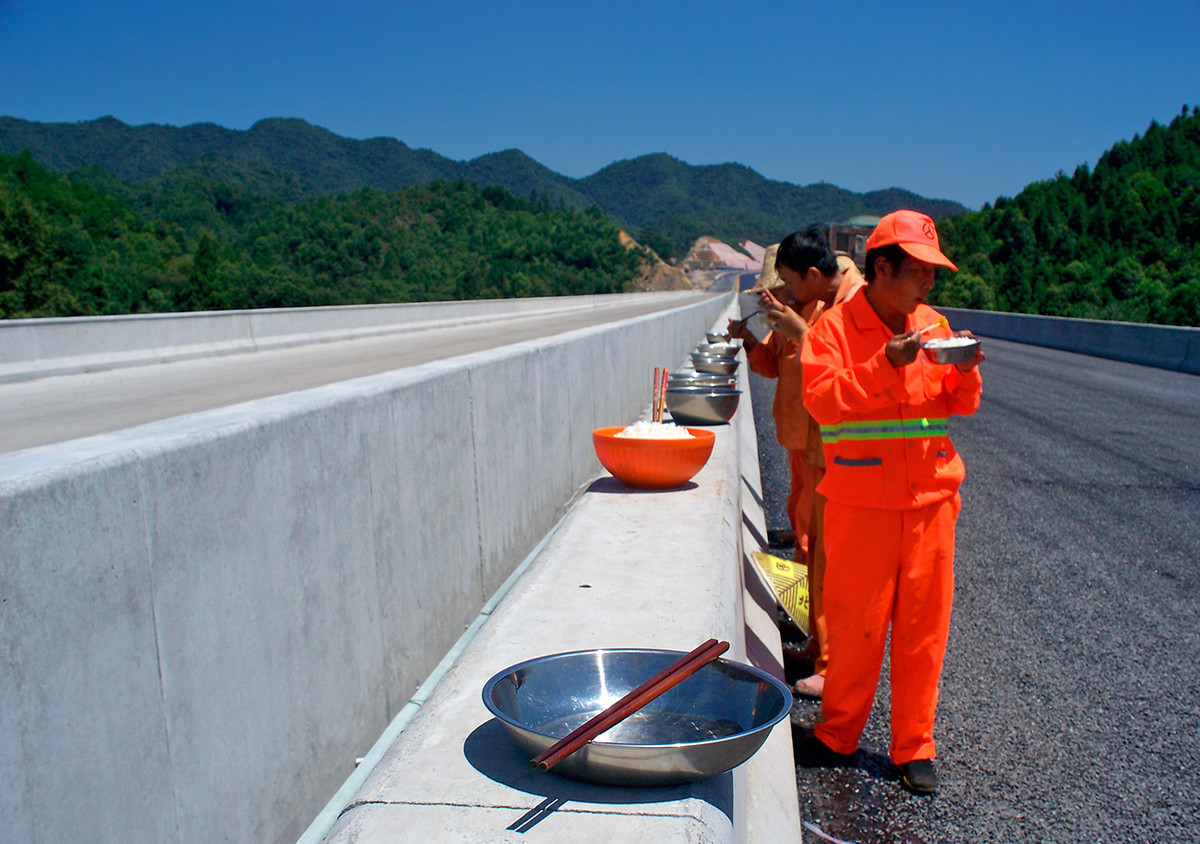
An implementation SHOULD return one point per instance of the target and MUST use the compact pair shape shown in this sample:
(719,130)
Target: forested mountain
(160,218)
(657,196)
(1118,242)
(187,242)
(327,164)
(665,200)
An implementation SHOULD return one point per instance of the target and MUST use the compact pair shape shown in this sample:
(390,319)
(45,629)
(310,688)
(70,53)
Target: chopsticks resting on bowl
(663,681)
(940,322)
(660,394)
(654,399)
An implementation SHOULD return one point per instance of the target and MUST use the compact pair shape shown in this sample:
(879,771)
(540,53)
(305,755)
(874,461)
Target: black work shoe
(811,752)
(919,776)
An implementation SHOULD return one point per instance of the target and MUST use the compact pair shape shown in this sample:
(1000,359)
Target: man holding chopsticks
(892,479)
(811,278)
(778,356)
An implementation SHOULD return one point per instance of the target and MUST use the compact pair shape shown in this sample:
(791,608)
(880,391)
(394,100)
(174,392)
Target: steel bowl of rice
(950,349)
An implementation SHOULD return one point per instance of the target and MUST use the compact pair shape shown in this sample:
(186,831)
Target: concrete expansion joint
(478,505)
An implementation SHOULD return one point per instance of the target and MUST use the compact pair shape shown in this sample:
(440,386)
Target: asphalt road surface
(56,409)
(1070,699)
(726,279)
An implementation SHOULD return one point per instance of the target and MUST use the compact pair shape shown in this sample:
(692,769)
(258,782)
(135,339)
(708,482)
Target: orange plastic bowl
(650,463)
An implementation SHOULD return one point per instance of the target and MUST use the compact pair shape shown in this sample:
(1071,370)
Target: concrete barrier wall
(676,571)
(1163,346)
(36,348)
(206,619)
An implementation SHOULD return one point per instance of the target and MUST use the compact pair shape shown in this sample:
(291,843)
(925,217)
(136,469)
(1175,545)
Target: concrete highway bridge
(255,568)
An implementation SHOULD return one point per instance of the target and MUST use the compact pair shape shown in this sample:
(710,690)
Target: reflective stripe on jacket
(883,428)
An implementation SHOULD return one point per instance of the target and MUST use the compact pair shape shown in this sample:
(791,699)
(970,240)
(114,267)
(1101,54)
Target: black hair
(893,253)
(801,250)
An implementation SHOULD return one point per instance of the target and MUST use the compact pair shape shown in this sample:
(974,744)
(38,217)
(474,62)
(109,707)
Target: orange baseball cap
(913,232)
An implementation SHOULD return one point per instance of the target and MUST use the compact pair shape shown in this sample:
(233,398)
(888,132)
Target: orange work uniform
(891,484)
(814,456)
(779,357)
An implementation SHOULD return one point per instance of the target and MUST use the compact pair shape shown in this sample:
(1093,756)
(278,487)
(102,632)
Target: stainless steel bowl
(717,349)
(950,354)
(722,356)
(713,721)
(718,364)
(699,405)
(702,379)
(716,337)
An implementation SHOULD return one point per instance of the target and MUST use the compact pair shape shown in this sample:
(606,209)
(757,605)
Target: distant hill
(654,196)
(524,177)
(71,246)
(731,202)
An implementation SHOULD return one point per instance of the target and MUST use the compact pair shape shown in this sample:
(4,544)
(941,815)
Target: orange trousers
(816,577)
(886,567)
(801,479)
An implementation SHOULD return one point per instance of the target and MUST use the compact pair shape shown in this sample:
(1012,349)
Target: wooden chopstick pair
(660,394)
(663,681)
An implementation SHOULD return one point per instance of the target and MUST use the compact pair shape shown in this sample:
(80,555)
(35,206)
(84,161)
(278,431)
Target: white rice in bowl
(950,342)
(655,431)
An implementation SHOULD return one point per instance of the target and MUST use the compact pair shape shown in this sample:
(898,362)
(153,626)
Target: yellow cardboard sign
(789,581)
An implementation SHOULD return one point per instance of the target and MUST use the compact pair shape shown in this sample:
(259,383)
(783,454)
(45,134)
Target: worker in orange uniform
(813,686)
(892,479)
(777,356)
(800,276)
(808,277)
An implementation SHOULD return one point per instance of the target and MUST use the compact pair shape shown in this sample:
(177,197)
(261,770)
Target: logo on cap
(928,230)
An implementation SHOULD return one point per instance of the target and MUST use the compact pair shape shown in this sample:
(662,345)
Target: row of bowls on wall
(708,395)
(711,722)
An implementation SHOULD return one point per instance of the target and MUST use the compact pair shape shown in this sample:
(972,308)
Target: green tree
(1118,242)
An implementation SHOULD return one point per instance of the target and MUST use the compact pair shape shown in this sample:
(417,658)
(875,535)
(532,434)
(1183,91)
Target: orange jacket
(779,357)
(883,428)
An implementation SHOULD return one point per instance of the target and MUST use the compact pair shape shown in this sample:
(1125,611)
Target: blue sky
(958,100)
